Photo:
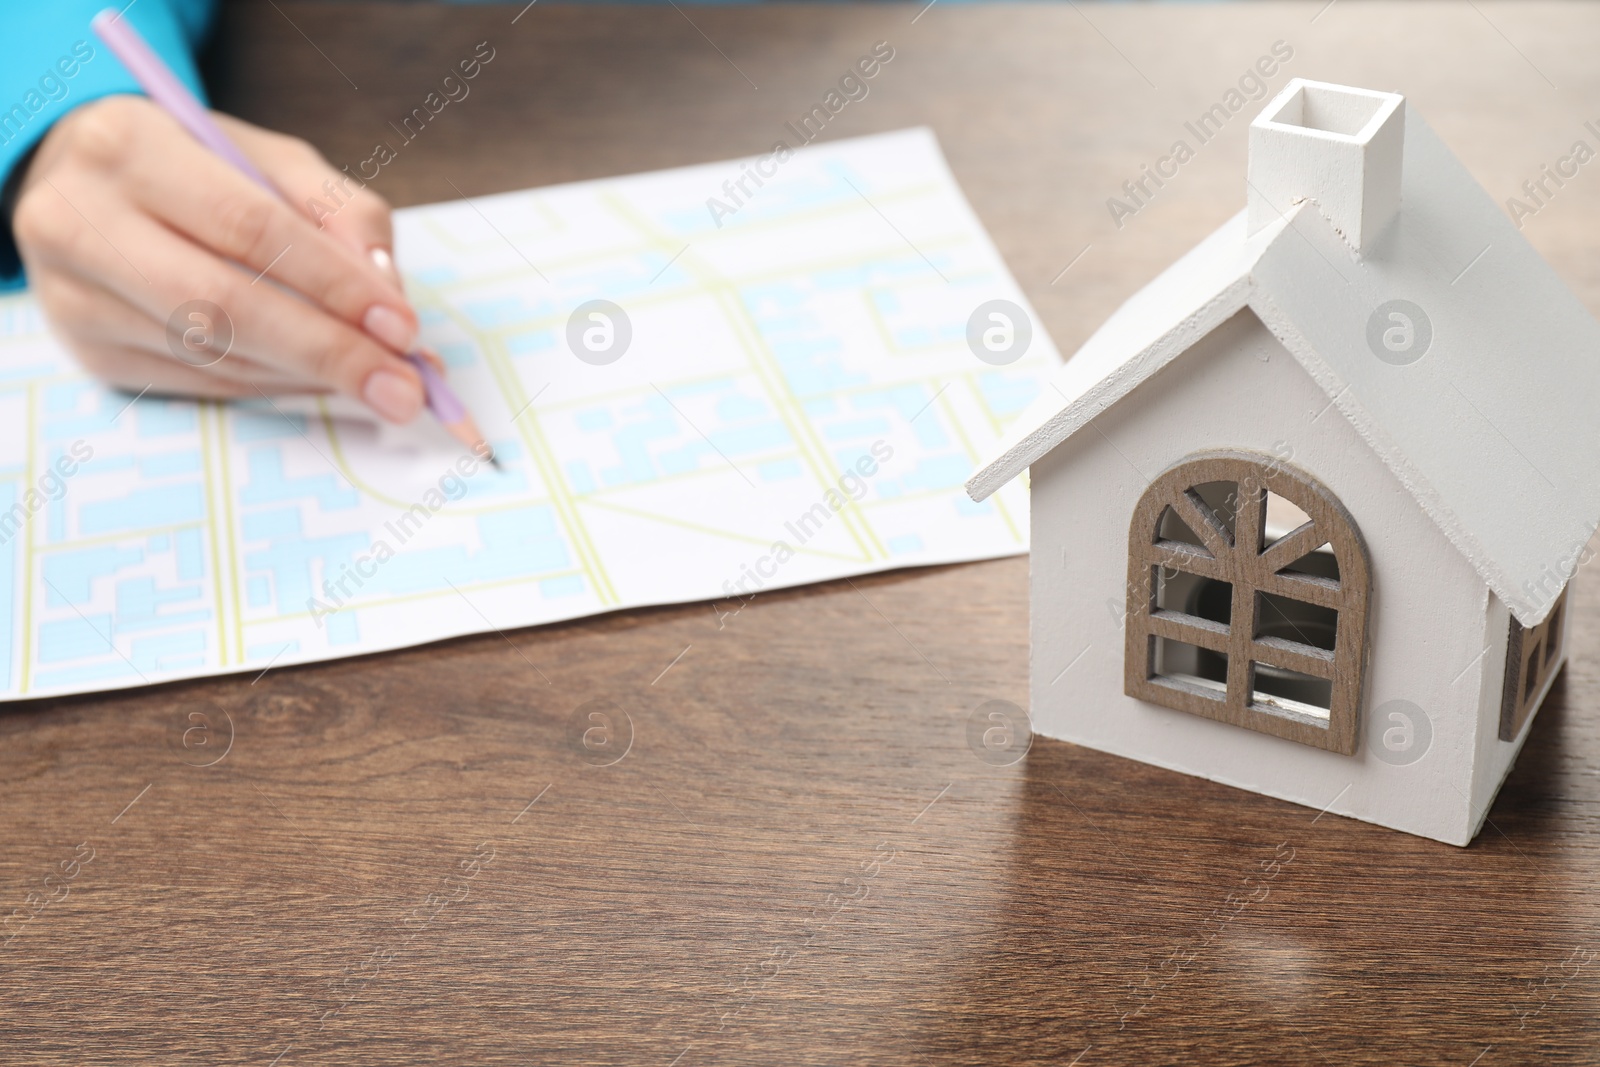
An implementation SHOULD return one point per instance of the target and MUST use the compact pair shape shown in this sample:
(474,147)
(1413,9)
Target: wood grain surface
(801,858)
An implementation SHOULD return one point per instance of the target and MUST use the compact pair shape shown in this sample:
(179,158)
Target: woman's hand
(123,218)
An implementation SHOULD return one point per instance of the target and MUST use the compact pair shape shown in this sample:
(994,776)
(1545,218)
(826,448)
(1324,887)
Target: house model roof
(1486,402)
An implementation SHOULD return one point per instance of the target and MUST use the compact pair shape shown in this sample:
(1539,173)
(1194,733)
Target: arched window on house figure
(1248,586)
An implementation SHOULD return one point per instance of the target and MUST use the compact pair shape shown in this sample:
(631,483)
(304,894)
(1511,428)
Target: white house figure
(1305,509)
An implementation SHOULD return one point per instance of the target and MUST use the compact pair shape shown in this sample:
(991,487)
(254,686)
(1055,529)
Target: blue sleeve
(51,62)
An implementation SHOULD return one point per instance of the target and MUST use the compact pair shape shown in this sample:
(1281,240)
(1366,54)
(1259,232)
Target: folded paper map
(702,384)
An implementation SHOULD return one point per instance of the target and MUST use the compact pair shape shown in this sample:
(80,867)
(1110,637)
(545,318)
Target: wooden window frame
(1539,650)
(1250,572)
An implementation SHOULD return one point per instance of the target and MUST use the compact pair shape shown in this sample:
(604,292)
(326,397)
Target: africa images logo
(1251,85)
(852,86)
(52,88)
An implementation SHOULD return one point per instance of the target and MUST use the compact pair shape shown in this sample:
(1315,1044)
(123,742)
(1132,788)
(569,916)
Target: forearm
(51,63)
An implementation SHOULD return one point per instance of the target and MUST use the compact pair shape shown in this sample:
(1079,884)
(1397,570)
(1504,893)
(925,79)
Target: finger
(87,315)
(337,201)
(384,258)
(385,261)
(271,327)
(222,210)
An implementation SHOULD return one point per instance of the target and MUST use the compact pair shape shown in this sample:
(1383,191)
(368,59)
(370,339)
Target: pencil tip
(494,461)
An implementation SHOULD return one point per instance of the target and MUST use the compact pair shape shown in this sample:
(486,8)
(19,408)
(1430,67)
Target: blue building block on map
(779,470)
(290,564)
(69,576)
(267,485)
(566,585)
(190,552)
(940,472)
(75,638)
(276,524)
(904,544)
(158,505)
(166,464)
(259,422)
(169,651)
(1007,396)
(594,421)
(579,477)
(343,629)
(165,418)
(531,341)
(139,603)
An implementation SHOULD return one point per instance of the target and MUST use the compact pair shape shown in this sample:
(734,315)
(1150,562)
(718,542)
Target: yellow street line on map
(330,427)
(972,454)
(119,536)
(504,373)
(449,238)
(748,334)
(432,594)
(971,383)
(590,399)
(667,294)
(744,332)
(27,546)
(538,448)
(762,362)
(609,194)
(724,290)
(225,466)
(543,455)
(698,472)
(763,542)
(891,501)
(804,430)
(867,298)
(217,565)
(932,380)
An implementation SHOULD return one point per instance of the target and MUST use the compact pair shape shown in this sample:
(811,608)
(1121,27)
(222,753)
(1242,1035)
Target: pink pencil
(163,86)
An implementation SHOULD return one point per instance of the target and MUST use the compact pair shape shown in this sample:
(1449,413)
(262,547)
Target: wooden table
(412,858)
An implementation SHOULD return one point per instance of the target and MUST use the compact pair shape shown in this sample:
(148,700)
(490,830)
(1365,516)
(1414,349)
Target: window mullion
(1241,634)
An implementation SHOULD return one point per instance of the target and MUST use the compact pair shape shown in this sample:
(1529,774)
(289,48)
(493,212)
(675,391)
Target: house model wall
(1368,361)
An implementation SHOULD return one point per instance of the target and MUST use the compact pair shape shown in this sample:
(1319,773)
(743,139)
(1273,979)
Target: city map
(688,406)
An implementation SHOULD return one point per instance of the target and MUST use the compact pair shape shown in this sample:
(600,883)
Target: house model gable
(1306,507)
(1481,398)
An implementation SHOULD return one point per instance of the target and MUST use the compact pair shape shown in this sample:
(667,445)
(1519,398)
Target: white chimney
(1335,145)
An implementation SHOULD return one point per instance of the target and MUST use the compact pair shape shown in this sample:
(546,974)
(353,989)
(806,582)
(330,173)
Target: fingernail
(394,396)
(385,262)
(388,326)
